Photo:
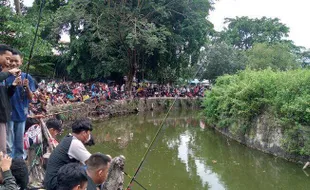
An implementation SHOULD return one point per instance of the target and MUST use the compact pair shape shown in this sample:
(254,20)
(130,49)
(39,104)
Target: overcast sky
(294,14)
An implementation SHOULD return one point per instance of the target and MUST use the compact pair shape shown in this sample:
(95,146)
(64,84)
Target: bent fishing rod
(35,37)
(133,178)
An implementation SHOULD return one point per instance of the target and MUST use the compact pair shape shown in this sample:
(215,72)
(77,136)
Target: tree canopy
(276,56)
(243,32)
(158,39)
(219,59)
(132,37)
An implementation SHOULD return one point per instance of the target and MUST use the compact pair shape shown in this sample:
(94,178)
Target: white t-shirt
(78,151)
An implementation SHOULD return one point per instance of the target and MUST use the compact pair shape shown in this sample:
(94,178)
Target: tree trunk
(132,61)
(17,7)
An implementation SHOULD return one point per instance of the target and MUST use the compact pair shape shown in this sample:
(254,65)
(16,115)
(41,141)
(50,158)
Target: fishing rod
(149,148)
(135,180)
(35,37)
(154,139)
(125,171)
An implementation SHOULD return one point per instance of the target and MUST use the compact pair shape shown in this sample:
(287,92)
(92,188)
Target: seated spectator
(71,177)
(33,135)
(54,127)
(70,149)
(7,181)
(97,170)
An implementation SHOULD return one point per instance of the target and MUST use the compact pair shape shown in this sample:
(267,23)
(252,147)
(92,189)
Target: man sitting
(97,170)
(70,149)
(71,177)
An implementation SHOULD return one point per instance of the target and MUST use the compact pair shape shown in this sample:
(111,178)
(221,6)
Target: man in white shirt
(71,149)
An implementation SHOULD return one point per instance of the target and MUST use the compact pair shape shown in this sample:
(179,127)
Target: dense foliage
(157,40)
(276,56)
(18,31)
(149,39)
(241,98)
(218,59)
(243,32)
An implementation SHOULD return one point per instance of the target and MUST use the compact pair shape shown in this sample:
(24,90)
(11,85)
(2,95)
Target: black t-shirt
(90,184)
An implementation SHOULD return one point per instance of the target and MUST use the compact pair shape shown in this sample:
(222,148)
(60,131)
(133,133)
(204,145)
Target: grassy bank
(241,98)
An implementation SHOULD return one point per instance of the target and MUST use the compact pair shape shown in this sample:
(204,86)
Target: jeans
(15,138)
(3,137)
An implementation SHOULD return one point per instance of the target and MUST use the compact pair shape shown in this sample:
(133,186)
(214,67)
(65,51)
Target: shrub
(242,97)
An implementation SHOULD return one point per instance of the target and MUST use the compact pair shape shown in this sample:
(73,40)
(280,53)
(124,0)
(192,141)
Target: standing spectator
(6,91)
(19,102)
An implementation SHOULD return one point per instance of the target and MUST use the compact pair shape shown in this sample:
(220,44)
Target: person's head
(5,56)
(54,126)
(81,129)
(16,59)
(71,177)
(20,172)
(97,167)
(30,122)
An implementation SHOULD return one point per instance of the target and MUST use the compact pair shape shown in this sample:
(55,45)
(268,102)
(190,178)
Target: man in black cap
(70,149)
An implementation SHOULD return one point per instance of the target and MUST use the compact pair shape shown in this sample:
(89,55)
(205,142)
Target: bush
(242,97)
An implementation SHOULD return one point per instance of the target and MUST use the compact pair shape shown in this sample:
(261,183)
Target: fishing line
(150,146)
(155,137)
(124,171)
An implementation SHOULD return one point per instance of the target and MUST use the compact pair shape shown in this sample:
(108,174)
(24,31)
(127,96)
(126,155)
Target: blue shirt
(19,100)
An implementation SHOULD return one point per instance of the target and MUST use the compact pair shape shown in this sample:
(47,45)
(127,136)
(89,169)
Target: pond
(188,155)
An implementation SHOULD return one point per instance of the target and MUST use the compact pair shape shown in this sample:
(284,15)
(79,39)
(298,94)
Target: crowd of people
(24,134)
(64,92)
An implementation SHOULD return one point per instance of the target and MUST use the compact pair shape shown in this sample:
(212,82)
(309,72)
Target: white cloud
(28,3)
(292,13)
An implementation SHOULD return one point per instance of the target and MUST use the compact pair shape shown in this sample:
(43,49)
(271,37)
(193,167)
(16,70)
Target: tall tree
(133,37)
(243,32)
(218,59)
(17,7)
(276,56)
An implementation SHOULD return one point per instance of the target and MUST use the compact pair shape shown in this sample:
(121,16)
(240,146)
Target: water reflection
(189,155)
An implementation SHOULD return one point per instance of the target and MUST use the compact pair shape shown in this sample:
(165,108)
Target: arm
(29,93)
(78,151)
(8,181)
(11,88)
(28,89)
(4,75)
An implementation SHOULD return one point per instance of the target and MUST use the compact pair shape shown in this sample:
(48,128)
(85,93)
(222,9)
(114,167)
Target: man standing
(6,91)
(71,149)
(19,102)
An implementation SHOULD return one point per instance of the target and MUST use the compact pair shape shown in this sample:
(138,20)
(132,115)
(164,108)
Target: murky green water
(190,156)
